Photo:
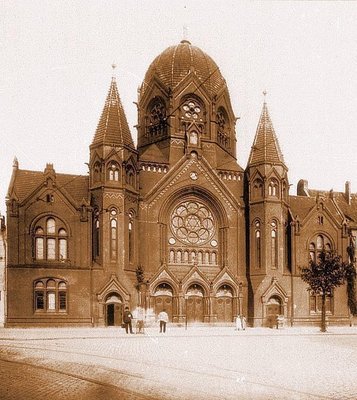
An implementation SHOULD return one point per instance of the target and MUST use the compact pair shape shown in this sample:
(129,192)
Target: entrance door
(194,309)
(114,314)
(163,303)
(110,314)
(273,310)
(224,309)
(114,310)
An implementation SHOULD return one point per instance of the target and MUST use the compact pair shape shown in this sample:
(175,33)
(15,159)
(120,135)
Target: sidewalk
(172,331)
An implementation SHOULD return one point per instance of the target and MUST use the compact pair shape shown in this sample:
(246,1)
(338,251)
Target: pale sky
(56,61)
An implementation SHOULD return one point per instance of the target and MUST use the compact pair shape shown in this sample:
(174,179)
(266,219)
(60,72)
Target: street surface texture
(197,363)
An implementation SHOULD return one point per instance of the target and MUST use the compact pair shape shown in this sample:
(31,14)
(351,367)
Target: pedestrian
(127,317)
(238,323)
(163,319)
(243,322)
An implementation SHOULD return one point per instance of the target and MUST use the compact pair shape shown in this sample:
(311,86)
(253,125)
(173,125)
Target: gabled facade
(173,223)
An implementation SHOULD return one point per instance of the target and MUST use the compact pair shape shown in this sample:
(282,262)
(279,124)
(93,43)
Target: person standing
(127,317)
(163,319)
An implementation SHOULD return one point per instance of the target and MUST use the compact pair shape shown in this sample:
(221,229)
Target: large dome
(174,63)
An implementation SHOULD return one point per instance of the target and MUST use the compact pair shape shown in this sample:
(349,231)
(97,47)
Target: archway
(195,303)
(224,304)
(113,310)
(273,309)
(163,296)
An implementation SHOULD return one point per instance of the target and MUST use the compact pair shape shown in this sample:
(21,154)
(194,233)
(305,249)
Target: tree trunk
(323,313)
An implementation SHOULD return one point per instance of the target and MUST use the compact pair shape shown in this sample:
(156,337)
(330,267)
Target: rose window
(192,223)
(191,110)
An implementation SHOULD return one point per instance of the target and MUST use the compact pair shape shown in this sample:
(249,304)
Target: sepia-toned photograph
(178,200)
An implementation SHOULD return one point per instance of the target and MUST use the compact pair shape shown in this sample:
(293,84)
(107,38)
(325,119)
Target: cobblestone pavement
(197,363)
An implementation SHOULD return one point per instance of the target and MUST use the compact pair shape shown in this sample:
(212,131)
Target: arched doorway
(194,303)
(224,304)
(163,296)
(273,310)
(113,310)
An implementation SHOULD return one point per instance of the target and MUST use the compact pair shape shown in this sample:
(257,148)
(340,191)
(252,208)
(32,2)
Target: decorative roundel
(214,243)
(192,223)
(172,240)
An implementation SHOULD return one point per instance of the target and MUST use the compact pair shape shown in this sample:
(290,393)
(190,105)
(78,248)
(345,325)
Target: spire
(265,149)
(113,127)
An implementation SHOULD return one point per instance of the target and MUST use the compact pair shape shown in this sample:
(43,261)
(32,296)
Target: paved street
(198,363)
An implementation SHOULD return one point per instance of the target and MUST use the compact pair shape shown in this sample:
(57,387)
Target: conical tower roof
(113,127)
(265,149)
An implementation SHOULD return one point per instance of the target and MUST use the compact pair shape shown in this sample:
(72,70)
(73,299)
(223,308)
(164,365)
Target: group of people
(241,323)
(163,319)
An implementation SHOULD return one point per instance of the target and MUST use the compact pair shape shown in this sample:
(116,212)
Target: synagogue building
(173,222)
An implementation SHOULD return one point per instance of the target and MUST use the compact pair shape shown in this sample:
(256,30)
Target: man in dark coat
(127,317)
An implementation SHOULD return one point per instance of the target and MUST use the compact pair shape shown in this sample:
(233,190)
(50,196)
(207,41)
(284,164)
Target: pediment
(275,289)
(113,285)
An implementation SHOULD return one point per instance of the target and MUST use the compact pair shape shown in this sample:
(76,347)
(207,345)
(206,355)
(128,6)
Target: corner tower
(267,195)
(114,188)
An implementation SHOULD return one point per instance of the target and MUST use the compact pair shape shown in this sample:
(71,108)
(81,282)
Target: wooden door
(164,303)
(194,309)
(224,309)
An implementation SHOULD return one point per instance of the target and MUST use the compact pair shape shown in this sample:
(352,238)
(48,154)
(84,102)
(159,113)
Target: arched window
(317,245)
(51,243)
(50,295)
(273,188)
(96,172)
(113,171)
(223,128)
(113,233)
(131,236)
(274,245)
(257,189)
(96,231)
(130,176)
(156,119)
(258,250)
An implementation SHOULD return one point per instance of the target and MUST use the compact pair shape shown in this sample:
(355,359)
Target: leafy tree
(322,276)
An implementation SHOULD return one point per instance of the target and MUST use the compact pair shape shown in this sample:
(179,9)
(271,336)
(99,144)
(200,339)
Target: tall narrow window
(274,246)
(62,244)
(96,243)
(113,234)
(62,296)
(257,245)
(39,253)
(51,249)
(131,236)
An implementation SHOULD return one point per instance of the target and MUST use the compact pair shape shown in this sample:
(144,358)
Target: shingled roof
(265,149)
(27,182)
(113,127)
